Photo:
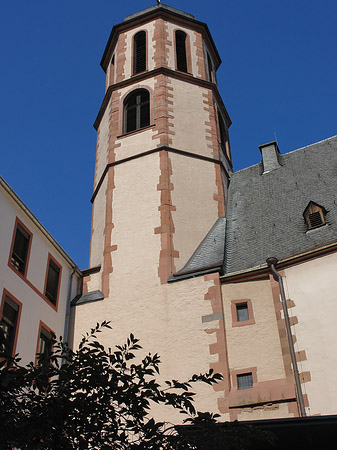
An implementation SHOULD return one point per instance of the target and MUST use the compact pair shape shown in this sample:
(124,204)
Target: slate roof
(88,297)
(265,211)
(209,255)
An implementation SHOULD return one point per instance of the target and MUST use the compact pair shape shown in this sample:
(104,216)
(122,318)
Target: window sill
(131,133)
(325,225)
(243,323)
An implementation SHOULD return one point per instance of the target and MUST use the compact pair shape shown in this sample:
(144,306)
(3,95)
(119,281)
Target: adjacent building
(37,280)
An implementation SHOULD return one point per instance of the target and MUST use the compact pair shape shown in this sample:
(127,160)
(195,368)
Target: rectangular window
(9,322)
(52,283)
(45,343)
(245,380)
(20,249)
(242,313)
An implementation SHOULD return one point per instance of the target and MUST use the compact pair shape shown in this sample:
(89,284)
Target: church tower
(161,173)
(162,149)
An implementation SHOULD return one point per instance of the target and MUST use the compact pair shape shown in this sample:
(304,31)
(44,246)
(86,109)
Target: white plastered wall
(171,28)
(256,345)
(189,118)
(34,307)
(312,286)
(196,212)
(102,145)
(149,27)
(168,320)
(98,225)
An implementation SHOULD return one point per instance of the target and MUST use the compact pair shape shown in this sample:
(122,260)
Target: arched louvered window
(139,52)
(210,69)
(136,110)
(181,51)
(223,133)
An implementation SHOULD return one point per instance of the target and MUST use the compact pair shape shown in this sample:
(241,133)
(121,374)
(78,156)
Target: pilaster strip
(200,55)
(166,229)
(283,339)
(214,296)
(108,247)
(121,58)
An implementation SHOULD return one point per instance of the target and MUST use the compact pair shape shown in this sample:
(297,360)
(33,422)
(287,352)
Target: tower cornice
(159,11)
(161,71)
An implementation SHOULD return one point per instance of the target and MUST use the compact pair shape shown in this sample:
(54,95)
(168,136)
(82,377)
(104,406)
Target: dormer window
(314,215)
(139,52)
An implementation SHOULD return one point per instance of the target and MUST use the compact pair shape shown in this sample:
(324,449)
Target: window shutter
(140,52)
(315,219)
(181,51)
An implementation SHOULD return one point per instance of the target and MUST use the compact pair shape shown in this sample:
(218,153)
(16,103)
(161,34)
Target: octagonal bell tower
(163,154)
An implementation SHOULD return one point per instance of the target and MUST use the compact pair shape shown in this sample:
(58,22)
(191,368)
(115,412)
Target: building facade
(37,280)
(179,242)
(208,267)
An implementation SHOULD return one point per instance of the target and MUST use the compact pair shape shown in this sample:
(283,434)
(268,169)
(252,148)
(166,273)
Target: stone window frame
(19,223)
(235,373)
(187,51)
(133,53)
(6,294)
(250,321)
(58,265)
(121,131)
(43,328)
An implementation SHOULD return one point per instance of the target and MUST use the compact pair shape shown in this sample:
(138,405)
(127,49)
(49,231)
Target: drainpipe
(66,323)
(277,277)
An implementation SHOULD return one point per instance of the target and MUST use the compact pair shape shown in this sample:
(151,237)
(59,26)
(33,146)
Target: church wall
(149,29)
(102,146)
(135,215)
(254,346)
(98,223)
(192,195)
(168,320)
(312,287)
(190,118)
(190,47)
(251,339)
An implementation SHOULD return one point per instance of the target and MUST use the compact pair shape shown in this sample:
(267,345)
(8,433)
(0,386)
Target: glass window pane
(245,381)
(131,119)
(9,321)
(52,282)
(144,115)
(20,249)
(242,312)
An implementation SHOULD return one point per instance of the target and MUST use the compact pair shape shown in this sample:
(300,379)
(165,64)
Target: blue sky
(278,75)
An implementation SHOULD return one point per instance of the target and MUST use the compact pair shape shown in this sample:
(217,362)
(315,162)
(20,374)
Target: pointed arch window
(181,51)
(314,215)
(136,110)
(139,52)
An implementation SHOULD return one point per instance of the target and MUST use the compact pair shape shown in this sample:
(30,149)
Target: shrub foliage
(96,398)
